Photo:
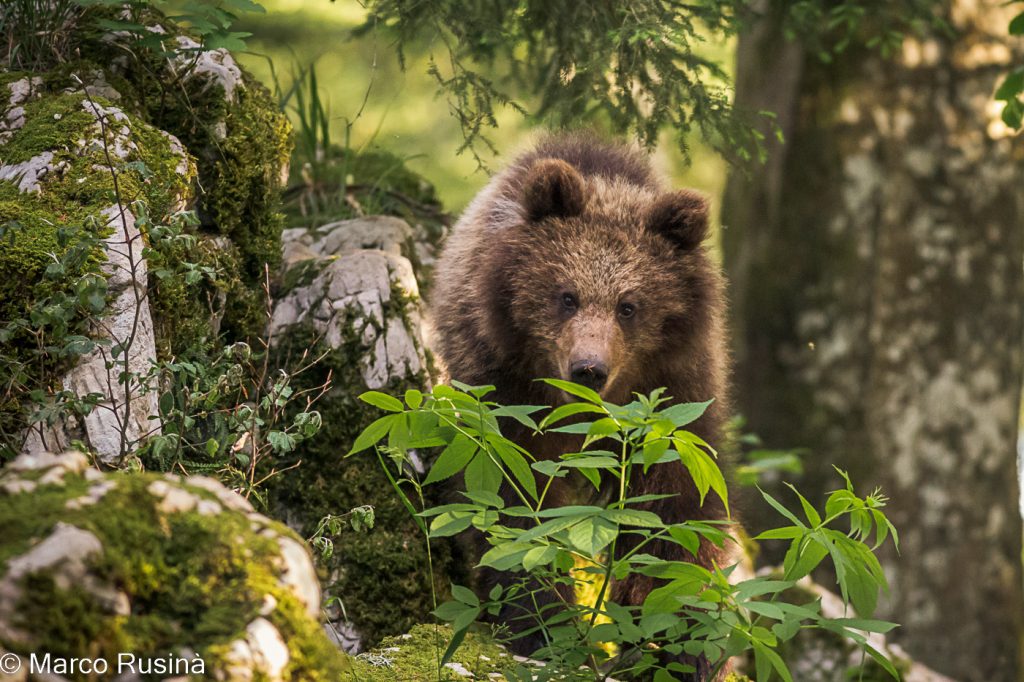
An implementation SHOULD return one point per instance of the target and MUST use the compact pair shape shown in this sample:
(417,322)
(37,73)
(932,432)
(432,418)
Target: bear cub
(576,263)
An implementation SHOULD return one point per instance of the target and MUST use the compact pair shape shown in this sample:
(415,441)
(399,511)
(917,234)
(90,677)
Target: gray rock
(29,174)
(63,555)
(383,233)
(128,410)
(21,91)
(361,264)
(215,67)
(299,575)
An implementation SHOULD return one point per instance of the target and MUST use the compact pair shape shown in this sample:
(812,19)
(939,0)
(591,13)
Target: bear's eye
(627,310)
(570,301)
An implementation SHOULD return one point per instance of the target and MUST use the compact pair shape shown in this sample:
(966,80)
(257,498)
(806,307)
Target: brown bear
(575,263)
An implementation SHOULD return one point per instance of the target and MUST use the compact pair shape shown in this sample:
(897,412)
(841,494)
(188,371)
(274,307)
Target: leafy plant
(360,519)
(1010,91)
(694,612)
(37,34)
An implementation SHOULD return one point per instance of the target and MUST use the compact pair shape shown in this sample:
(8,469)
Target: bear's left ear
(681,217)
(553,189)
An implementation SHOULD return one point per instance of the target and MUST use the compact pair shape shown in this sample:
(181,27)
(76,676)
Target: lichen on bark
(877,285)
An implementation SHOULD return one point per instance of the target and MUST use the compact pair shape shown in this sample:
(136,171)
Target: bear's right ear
(681,217)
(553,189)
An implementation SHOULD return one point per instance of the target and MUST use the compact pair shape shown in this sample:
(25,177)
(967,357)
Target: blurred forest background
(372,102)
(864,165)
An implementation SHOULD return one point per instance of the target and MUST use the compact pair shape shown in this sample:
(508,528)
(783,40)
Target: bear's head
(606,279)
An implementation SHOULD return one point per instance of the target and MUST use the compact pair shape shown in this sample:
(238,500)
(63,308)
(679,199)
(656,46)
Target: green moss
(194,581)
(242,148)
(414,657)
(24,518)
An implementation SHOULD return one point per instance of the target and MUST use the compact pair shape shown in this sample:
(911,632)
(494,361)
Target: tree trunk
(876,265)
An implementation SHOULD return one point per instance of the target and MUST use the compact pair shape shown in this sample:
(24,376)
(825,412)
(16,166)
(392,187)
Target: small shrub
(694,612)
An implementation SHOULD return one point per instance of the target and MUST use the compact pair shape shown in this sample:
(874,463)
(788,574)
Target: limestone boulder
(155,566)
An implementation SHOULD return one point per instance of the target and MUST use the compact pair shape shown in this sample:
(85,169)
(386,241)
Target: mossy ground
(416,655)
(193,581)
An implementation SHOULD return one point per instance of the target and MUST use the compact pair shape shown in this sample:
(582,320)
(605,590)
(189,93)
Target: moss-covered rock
(241,140)
(359,309)
(160,567)
(78,177)
(170,127)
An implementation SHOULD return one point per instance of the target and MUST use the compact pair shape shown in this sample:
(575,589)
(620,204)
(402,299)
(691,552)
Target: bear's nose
(590,373)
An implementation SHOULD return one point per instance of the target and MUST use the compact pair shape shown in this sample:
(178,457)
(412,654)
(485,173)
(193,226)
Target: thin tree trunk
(878,289)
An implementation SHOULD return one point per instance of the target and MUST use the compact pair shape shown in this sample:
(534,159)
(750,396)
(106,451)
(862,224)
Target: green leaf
(590,463)
(813,518)
(634,517)
(687,538)
(803,556)
(450,523)
(765,609)
(881,660)
(867,624)
(413,398)
(758,587)
(765,660)
(575,389)
(521,413)
(516,464)
(1011,86)
(1017,25)
(505,556)
(548,467)
(465,595)
(485,498)
(539,556)
(580,428)
(592,535)
(777,506)
(373,433)
(475,391)
(382,400)
(568,410)
(682,414)
(449,610)
(863,591)
(281,442)
(600,429)
(550,527)
(482,474)
(786,533)
(454,645)
(704,471)
(653,451)
(452,459)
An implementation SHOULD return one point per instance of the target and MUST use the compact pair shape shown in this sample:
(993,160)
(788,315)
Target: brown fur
(581,217)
